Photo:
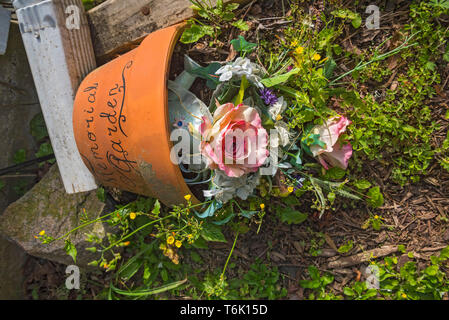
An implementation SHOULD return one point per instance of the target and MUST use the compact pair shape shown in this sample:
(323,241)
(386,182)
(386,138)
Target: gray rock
(48,207)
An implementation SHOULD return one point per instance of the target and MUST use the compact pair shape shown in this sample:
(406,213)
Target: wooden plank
(116,25)
(60,54)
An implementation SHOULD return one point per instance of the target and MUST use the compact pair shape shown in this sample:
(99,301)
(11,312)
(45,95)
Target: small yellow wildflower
(105,266)
(404,295)
(376,217)
(170,240)
(299,51)
(42,233)
(187,197)
(290,189)
(127,243)
(294,43)
(316,57)
(278,117)
(262,206)
(132,215)
(178,244)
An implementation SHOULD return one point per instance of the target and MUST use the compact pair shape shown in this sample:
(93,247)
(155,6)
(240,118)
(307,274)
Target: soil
(415,215)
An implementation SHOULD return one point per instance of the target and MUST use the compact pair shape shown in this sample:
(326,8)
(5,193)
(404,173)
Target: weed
(318,284)
(218,16)
(260,282)
(400,127)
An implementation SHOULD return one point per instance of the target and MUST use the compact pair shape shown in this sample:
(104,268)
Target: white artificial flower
(278,108)
(226,73)
(226,188)
(240,67)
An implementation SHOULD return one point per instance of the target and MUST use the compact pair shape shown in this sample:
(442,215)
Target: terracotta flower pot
(121,121)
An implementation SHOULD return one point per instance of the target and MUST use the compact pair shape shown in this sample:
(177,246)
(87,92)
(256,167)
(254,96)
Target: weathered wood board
(118,24)
(60,54)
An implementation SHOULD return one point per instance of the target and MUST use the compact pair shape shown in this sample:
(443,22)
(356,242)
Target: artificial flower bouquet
(247,140)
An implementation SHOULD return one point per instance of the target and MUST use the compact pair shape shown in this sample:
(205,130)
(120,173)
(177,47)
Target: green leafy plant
(318,284)
(356,19)
(217,16)
(20,156)
(405,283)
(399,122)
(345,248)
(260,282)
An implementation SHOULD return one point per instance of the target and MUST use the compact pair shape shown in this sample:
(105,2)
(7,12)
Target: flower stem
(135,231)
(230,254)
(89,223)
(377,58)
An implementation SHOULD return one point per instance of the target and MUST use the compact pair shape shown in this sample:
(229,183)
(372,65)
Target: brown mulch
(415,215)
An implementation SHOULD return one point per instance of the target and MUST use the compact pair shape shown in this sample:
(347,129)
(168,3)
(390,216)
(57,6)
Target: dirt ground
(414,215)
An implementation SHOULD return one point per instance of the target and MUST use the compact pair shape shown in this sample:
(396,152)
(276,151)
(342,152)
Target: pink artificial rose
(333,154)
(235,142)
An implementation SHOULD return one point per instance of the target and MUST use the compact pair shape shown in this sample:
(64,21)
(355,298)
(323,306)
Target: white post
(59,49)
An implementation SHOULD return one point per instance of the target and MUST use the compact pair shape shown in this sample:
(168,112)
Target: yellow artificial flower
(132,215)
(187,197)
(42,233)
(178,244)
(170,240)
(316,57)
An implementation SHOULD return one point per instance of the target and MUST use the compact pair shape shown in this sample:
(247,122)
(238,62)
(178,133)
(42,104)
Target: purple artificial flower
(299,182)
(268,96)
